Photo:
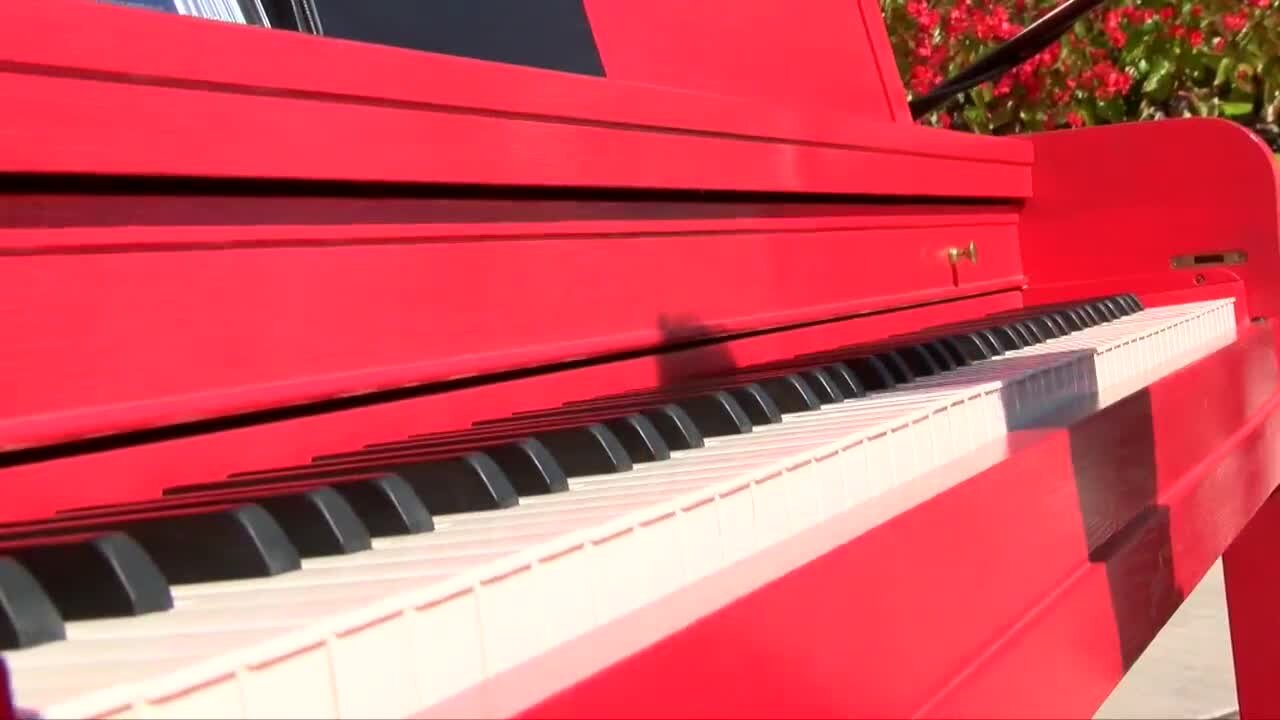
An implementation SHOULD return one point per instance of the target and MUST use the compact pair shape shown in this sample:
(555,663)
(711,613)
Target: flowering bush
(1130,59)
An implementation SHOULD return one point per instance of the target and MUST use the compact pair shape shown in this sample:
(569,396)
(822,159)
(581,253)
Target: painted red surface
(1122,200)
(1026,590)
(1253,592)
(169,323)
(450,126)
(35,489)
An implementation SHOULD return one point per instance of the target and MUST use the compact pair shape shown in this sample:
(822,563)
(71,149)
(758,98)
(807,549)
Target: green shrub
(1128,60)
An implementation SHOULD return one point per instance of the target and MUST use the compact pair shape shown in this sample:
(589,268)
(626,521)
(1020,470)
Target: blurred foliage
(1128,60)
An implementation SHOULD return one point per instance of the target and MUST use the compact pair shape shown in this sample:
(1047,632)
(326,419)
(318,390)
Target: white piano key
(419,618)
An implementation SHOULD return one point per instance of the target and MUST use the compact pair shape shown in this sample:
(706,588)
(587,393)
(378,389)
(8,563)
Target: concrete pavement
(1187,671)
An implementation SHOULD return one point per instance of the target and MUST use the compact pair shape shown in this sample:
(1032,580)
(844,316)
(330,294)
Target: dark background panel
(551,34)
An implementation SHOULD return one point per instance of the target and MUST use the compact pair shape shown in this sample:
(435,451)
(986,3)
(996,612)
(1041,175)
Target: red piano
(603,358)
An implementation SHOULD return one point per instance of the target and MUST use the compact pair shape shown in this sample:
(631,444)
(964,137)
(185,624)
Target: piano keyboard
(391,610)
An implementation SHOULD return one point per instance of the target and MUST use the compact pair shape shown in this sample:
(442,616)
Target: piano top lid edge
(147,49)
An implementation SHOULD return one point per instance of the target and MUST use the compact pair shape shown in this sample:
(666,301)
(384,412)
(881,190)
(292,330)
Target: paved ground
(1187,671)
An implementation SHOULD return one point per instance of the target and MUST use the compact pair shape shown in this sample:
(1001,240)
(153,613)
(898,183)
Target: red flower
(1074,119)
(1196,38)
(1219,44)
(944,120)
(1235,22)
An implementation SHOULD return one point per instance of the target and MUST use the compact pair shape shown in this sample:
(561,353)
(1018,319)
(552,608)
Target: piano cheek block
(108,576)
(243,542)
(27,615)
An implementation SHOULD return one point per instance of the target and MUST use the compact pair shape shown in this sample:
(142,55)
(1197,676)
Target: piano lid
(761,96)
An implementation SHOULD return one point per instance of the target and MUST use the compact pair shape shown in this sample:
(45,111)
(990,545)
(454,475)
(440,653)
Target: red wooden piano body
(227,248)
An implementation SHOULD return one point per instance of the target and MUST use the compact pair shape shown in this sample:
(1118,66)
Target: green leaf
(976,118)
(1111,110)
(1159,83)
(1236,109)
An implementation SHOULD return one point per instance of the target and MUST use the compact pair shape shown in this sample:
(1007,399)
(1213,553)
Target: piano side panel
(1073,551)
(273,104)
(116,328)
(119,474)
(1120,201)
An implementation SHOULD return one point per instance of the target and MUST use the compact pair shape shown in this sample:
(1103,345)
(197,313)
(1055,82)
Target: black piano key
(1069,320)
(387,505)
(969,346)
(243,542)
(940,356)
(847,380)
(1043,327)
(319,522)
(101,577)
(1118,301)
(1008,339)
(1093,318)
(28,616)
(1133,302)
(530,467)
(1032,331)
(992,342)
(1054,326)
(953,351)
(791,393)
(872,372)
(470,483)
(1085,319)
(983,342)
(919,361)
(1055,319)
(677,429)
(758,404)
(1025,336)
(639,438)
(897,367)
(716,414)
(1105,310)
(823,385)
(588,450)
